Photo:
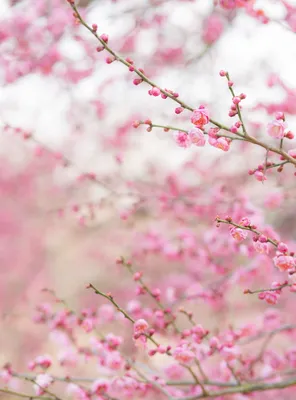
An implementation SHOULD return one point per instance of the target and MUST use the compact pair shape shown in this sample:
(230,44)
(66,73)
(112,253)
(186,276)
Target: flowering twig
(229,221)
(149,337)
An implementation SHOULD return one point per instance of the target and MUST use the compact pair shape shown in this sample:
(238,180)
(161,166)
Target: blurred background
(81,187)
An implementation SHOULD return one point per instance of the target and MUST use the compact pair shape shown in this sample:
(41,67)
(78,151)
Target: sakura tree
(148,195)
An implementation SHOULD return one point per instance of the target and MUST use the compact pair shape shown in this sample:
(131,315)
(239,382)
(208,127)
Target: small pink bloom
(213,133)
(271,298)
(68,357)
(260,176)
(220,143)
(140,326)
(283,263)
(212,29)
(100,386)
(113,341)
(182,139)
(238,234)
(276,129)
(43,361)
(214,343)
(230,353)
(261,247)
(114,361)
(88,324)
(183,355)
(245,221)
(42,382)
(282,247)
(197,137)
(200,117)
(174,371)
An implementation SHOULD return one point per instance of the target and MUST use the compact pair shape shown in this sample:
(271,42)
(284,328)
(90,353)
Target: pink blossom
(114,360)
(68,357)
(43,361)
(238,234)
(42,383)
(284,263)
(270,297)
(100,386)
(261,247)
(213,133)
(88,324)
(260,176)
(140,326)
(200,117)
(182,139)
(197,137)
(230,353)
(113,341)
(175,371)
(212,29)
(183,355)
(282,247)
(220,143)
(276,129)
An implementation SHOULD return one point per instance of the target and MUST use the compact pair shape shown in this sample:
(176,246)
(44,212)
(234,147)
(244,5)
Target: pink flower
(183,355)
(238,234)
(68,357)
(43,361)
(220,143)
(182,139)
(174,371)
(212,29)
(100,386)
(230,353)
(113,341)
(276,129)
(282,247)
(261,247)
(213,133)
(260,176)
(42,382)
(197,137)
(140,326)
(88,324)
(270,297)
(283,263)
(114,360)
(200,117)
